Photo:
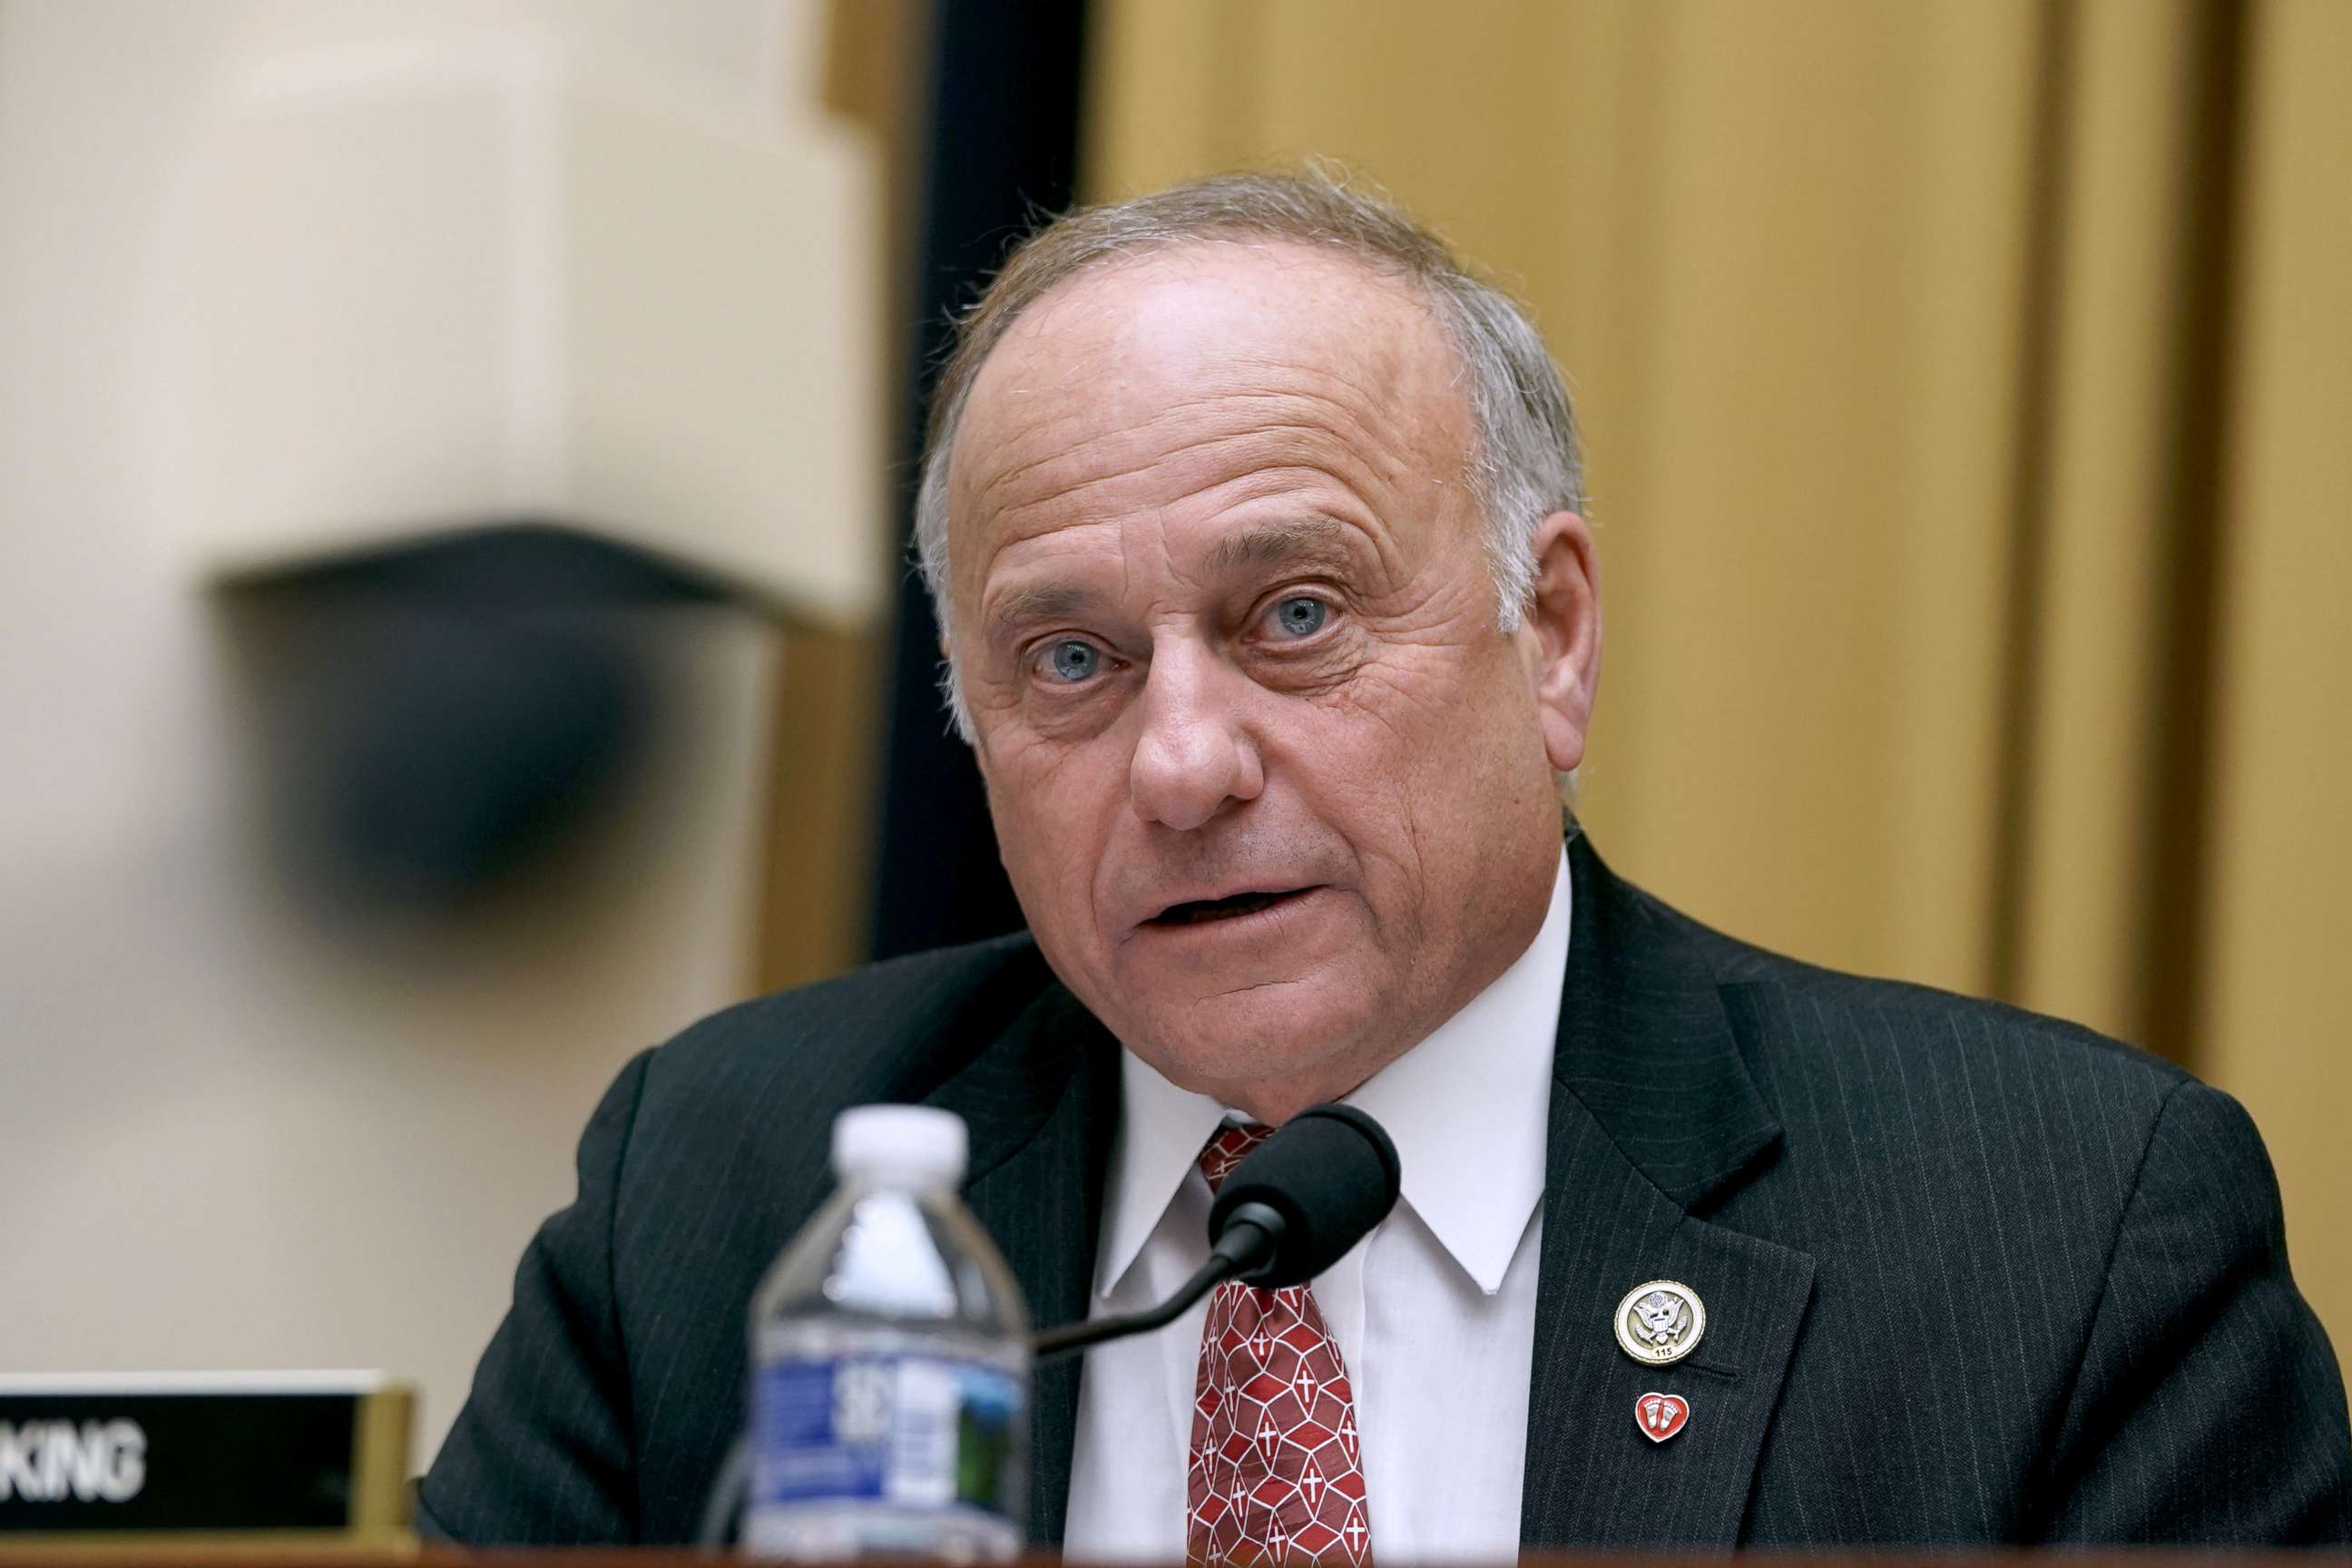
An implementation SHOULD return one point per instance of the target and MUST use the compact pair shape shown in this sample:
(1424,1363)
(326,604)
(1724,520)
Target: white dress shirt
(1434,1312)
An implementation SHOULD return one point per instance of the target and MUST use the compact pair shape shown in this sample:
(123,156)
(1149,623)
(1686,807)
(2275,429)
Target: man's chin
(1277,1035)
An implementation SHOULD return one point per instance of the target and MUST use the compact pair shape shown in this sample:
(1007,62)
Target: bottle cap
(911,1142)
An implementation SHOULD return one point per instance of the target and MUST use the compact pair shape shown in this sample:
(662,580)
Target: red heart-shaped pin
(1661,1416)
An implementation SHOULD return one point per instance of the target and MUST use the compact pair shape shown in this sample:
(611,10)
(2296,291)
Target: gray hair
(1524,465)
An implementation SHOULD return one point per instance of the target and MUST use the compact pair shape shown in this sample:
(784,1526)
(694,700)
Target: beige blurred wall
(2279,860)
(238,1128)
(1965,388)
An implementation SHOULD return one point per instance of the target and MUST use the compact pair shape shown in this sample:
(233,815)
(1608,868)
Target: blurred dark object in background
(1002,146)
(467,701)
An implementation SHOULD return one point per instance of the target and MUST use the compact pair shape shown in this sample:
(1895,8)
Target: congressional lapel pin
(1661,1416)
(1659,1322)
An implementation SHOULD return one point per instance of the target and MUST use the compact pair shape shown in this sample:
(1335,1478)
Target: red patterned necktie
(1276,1474)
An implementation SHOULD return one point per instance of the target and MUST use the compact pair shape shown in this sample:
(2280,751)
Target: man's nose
(1193,754)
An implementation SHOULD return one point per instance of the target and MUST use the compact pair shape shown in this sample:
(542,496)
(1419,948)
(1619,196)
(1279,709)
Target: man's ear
(1562,634)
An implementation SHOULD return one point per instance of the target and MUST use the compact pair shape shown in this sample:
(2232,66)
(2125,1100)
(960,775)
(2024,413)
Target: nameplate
(233,1455)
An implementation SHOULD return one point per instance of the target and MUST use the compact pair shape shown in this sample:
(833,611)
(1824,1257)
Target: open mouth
(1230,907)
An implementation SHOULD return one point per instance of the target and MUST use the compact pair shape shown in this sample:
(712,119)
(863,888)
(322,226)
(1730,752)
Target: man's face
(1273,788)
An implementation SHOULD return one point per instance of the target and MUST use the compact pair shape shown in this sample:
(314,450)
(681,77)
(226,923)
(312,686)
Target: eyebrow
(1273,543)
(1046,602)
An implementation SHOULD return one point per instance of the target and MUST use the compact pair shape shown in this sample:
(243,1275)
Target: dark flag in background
(1002,145)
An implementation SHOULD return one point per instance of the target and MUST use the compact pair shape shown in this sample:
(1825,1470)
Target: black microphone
(1286,1212)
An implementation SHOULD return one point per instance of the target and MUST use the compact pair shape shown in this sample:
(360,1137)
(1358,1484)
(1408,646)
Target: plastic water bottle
(889,1363)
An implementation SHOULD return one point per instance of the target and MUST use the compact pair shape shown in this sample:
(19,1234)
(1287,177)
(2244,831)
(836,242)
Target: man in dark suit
(1255,525)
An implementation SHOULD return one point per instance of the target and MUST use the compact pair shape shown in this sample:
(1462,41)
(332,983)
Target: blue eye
(1072,660)
(1300,616)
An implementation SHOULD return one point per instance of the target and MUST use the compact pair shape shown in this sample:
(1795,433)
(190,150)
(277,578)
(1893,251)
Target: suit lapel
(1042,1105)
(1653,1115)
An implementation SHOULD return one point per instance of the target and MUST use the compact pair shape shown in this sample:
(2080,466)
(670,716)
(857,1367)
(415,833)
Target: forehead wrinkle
(1374,403)
(1344,509)
(1312,452)
(1356,404)
(1385,447)
(1071,452)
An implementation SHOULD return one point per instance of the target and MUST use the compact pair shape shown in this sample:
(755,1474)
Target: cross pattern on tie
(1276,1470)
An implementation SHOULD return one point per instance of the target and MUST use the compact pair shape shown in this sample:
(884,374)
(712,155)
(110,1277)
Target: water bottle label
(914,1431)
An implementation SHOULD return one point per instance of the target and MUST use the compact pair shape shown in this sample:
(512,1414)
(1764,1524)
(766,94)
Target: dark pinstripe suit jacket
(1971,1276)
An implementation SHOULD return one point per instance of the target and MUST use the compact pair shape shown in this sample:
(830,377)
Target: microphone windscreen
(1330,1172)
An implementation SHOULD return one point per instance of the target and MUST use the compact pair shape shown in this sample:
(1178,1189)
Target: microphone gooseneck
(1286,1212)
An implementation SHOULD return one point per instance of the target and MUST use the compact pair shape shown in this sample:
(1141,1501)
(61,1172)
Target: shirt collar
(1480,1085)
